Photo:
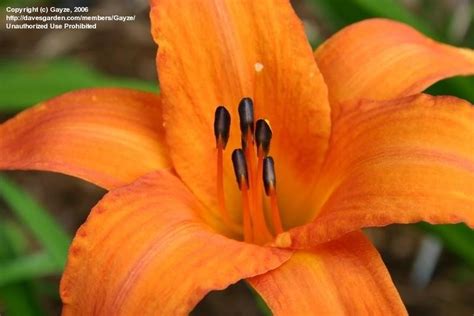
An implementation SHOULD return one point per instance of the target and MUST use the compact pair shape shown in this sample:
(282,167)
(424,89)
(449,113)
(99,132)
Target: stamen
(269,181)
(221,131)
(241,175)
(240,167)
(221,126)
(261,234)
(246,116)
(247,220)
(249,163)
(263,136)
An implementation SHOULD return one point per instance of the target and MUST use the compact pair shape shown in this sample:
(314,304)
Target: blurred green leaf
(339,13)
(463,274)
(27,83)
(262,306)
(28,267)
(18,299)
(395,10)
(48,288)
(461,87)
(12,240)
(458,238)
(42,225)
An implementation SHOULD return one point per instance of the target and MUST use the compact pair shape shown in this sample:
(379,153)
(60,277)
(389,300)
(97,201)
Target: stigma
(254,171)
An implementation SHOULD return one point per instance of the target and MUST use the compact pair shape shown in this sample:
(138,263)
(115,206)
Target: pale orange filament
(261,234)
(246,213)
(259,184)
(221,196)
(220,184)
(250,157)
(276,219)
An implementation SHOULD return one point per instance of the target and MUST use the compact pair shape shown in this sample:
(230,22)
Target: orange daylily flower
(354,144)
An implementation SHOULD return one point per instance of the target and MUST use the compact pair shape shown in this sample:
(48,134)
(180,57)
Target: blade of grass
(19,299)
(27,83)
(43,226)
(12,240)
(28,267)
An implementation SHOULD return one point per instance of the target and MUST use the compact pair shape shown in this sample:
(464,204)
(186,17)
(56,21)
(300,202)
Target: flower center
(254,170)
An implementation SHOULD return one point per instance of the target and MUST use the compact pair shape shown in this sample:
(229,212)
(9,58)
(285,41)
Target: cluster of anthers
(254,170)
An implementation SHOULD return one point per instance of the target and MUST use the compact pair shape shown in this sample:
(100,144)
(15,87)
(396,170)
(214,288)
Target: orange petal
(144,251)
(381,59)
(399,161)
(342,277)
(234,49)
(106,136)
